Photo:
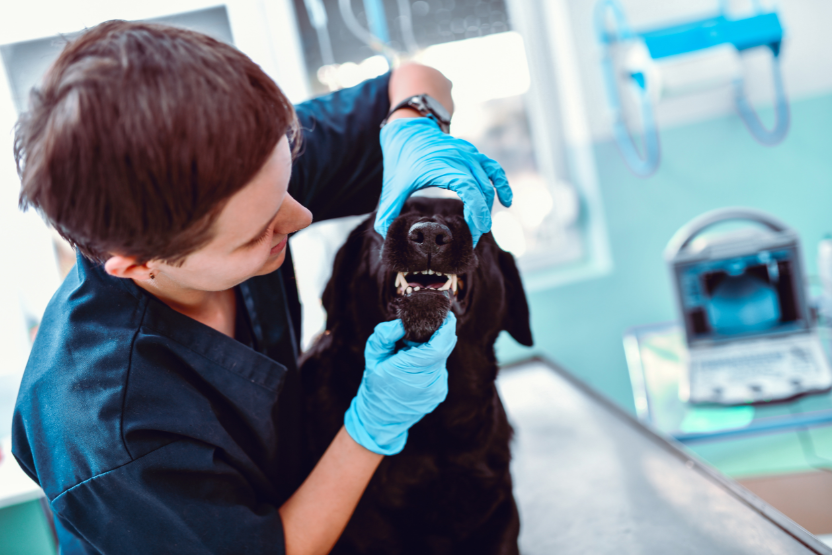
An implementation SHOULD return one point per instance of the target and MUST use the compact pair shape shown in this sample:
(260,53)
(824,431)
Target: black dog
(449,490)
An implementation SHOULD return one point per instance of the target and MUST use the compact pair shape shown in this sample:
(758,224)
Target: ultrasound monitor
(742,300)
(742,295)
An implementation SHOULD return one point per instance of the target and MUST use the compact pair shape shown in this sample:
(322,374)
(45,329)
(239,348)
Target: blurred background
(530,92)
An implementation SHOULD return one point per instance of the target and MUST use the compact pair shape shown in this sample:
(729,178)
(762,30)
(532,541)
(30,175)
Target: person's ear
(126,267)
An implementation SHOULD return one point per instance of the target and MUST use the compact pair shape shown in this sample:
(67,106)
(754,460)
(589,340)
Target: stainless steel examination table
(589,479)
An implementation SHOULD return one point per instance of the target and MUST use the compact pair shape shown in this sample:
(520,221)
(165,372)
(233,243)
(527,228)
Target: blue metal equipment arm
(643,166)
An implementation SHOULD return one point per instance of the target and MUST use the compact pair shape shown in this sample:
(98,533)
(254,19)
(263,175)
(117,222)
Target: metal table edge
(675,448)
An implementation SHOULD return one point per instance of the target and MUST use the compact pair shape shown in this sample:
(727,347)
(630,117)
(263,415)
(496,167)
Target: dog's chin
(422,313)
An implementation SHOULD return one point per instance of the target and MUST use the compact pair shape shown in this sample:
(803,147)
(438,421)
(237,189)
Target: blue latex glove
(398,389)
(417,155)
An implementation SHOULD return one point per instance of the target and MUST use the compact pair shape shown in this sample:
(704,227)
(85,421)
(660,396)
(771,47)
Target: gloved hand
(417,154)
(398,389)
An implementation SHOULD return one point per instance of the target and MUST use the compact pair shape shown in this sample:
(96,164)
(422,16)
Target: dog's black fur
(449,490)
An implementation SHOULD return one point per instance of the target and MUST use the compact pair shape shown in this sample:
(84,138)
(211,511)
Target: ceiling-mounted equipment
(680,59)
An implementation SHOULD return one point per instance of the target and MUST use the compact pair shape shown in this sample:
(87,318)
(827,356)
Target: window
(507,103)
(478,46)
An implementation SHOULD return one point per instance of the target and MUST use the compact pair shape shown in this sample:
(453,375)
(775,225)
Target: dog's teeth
(416,288)
(430,272)
(454,283)
(401,282)
(439,274)
(409,290)
(448,283)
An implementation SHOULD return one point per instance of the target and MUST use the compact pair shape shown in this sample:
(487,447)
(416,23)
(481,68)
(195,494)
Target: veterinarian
(160,409)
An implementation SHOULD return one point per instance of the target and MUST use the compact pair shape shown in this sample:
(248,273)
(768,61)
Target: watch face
(437,109)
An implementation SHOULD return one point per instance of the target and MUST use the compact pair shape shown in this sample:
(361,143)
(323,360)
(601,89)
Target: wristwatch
(427,106)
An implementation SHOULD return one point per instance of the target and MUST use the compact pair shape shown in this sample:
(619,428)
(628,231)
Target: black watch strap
(427,106)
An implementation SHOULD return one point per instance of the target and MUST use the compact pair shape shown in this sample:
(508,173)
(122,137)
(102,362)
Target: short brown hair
(140,133)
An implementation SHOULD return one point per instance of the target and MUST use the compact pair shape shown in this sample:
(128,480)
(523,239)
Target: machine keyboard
(775,363)
(732,375)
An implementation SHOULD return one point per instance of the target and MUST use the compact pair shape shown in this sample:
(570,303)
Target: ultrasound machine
(747,322)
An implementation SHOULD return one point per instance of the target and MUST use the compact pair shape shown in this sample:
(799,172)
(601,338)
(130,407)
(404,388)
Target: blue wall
(24,530)
(707,165)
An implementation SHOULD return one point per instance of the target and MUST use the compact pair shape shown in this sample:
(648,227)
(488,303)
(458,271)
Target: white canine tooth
(409,290)
(448,283)
(400,280)
(416,288)
(430,272)
(454,284)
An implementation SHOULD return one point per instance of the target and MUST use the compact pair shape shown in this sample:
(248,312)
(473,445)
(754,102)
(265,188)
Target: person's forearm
(412,79)
(316,514)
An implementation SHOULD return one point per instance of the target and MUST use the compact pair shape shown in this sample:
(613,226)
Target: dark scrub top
(153,433)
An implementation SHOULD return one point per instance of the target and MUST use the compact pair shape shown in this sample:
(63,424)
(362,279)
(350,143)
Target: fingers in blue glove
(393,139)
(484,185)
(388,210)
(475,208)
(382,343)
(397,390)
(498,177)
(436,350)
(416,146)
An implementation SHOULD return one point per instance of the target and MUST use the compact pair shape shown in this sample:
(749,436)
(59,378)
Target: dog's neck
(472,366)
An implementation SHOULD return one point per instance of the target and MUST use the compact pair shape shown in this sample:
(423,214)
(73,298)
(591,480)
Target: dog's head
(426,266)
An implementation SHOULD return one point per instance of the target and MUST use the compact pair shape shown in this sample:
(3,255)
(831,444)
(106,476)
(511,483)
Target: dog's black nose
(430,237)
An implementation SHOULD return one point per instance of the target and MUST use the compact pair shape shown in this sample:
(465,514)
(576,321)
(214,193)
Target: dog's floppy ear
(344,269)
(516,318)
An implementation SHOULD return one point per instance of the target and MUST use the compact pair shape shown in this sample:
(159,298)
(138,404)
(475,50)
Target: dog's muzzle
(429,239)
(424,294)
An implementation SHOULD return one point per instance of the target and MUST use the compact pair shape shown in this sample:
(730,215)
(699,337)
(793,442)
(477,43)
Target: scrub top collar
(249,363)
